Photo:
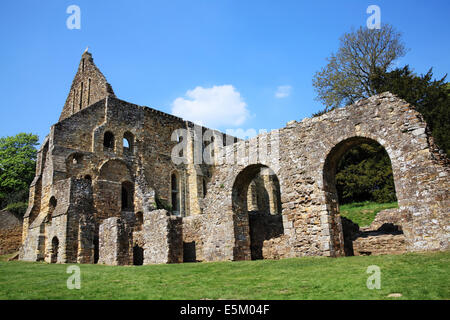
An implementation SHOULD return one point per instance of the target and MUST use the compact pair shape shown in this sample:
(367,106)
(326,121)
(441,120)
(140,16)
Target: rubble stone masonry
(108,189)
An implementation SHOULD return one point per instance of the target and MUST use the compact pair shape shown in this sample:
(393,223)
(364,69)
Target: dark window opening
(204,187)
(108,141)
(51,208)
(127,196)
(96,249)
(139,221)
(189,252)
(138,255)
(175,195)
(89,91)
(55,247)
(81,96)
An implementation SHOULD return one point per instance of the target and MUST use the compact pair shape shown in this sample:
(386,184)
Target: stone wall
(10,232)
(162,237)
(306,165)
(388,216)
(68,222)
(85,164)
(263,227)
(194,229)
(379,244)
(115,247)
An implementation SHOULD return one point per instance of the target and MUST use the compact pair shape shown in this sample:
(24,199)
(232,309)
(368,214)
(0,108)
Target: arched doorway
(55,248)
(358,179)
(256,204)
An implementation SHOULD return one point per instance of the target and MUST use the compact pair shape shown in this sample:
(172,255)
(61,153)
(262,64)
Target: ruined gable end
(88,87)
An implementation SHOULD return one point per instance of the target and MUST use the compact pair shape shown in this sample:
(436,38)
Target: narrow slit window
(175,194)
(81,96)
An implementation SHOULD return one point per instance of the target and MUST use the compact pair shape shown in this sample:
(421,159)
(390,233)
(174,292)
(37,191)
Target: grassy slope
(363,213)
(415,276)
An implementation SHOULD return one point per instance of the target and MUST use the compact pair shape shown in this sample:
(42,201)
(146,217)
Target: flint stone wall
(393,216)
(163,238)
(72,215)
(306,164)
(303,156)
(194,230)
(114,242)
(379,244)
(10,232)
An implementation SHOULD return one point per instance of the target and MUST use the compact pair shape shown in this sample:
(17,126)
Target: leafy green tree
(430,97)
(347,76)
(362,68)
(364,173)
(17,167)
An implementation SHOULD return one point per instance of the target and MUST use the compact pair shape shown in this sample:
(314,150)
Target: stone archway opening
(256,203)
(359,185)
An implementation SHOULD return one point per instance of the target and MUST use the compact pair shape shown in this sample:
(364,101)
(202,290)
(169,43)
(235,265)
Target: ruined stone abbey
(112,188)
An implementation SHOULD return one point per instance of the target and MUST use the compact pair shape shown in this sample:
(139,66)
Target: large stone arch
(246,245)
(329,169)
(420,176)
(115,170)
(306,149)
(108,187)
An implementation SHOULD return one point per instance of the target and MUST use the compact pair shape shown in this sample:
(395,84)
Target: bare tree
(346,77)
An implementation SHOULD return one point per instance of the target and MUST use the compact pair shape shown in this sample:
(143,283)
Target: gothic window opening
(89,91)
(81,96)
(128,141)
(51,208)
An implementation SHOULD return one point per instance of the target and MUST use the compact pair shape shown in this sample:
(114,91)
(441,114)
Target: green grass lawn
(363,213)
(415,276)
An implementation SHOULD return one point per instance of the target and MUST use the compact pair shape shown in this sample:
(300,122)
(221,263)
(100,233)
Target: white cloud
(283,92)
(212,107)
(241,133)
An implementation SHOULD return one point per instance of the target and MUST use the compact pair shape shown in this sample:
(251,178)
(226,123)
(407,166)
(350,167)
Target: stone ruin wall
(86,178)
(309,151)
(10,232)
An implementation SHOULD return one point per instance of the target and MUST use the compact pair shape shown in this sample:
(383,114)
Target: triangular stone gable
(88,87)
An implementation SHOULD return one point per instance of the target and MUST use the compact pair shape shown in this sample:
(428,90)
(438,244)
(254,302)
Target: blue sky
(172,55)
